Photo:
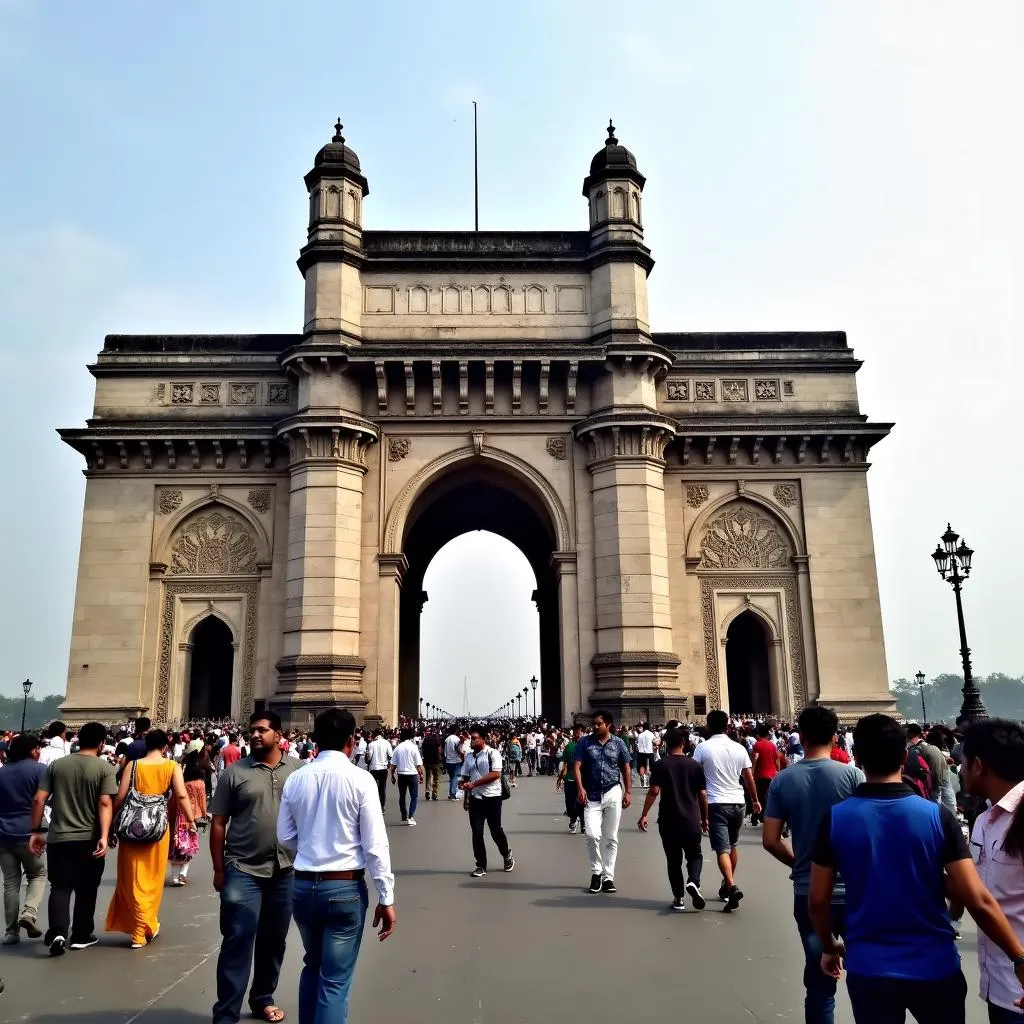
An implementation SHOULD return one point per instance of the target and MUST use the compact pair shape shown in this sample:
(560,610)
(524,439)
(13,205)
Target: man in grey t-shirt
(800,796)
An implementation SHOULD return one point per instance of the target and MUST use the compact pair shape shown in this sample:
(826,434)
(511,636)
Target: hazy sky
(811,165)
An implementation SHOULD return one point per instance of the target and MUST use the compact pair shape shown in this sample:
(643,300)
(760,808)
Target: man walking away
(433,754)
(799,798)
(896,854)
(135,749)
(567,778)
(481,784)
(407,763)
(938,770)
(765,756)
(601,766)
(728,772)
(56,745)
(682,816)
(81,788)
(330,816)
(644,753)
(453,763)
(19,783)
(378,758)
(253,874)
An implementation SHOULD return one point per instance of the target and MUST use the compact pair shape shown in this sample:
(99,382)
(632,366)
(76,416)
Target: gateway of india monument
(260,510)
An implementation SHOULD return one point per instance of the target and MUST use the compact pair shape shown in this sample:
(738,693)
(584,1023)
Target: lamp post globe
(26,689)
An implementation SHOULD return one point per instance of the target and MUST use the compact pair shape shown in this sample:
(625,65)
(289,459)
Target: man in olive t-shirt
(81,787)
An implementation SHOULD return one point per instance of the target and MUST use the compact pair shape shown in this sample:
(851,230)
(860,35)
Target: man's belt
(331,876)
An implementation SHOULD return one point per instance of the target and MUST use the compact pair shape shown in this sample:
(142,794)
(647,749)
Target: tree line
(40,711)
(1003,696)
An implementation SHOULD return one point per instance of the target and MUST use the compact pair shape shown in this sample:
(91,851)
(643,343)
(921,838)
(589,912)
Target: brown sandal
(272,1014)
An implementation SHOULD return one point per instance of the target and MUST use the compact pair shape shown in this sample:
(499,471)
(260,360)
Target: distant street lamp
(533,683)
(526,699)
(920,682)
(519,705)
(954,565)
(421,707)
(27,687)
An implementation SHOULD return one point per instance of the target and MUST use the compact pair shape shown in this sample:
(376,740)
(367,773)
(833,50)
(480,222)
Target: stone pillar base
(852,708)
(638,685)
(311,683)
(109,715)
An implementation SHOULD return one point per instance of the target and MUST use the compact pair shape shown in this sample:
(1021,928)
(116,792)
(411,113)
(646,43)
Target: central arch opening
(213,656)
(481,496)
(747,666)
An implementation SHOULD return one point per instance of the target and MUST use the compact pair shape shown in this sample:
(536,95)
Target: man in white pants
(644,753)
(604,784)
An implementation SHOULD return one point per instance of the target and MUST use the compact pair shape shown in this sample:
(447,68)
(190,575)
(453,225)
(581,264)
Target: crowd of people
(870,821)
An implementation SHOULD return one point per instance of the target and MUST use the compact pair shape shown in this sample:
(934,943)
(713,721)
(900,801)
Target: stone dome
(336,158)
(612,161)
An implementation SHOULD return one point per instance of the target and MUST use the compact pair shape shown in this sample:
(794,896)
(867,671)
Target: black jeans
(678,845)
(887,1000)
(73,870)
(381,775)
(486,809)
(572,802)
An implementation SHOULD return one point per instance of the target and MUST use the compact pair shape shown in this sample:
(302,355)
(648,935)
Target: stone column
(321,666)
(564,563)
(635,666)
(810,652)
(392,568)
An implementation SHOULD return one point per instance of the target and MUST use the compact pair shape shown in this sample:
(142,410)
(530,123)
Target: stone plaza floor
(527,946)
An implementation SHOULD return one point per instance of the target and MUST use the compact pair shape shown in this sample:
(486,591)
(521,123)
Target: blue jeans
(820,997)
(330,917)
(408,784)
(453,777)
(253,911)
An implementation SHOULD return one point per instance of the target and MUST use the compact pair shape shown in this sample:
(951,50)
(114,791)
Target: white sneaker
(412,821)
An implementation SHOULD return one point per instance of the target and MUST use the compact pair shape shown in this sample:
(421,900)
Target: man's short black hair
(272,718)
(406,734)
(23,746)
(142,725)
(818,725)
(605,716)
(1000,745)
(156,739)
(675,737)
(55,729)
(762,730)
(333,728)
(480,730)
(880,744)
(91,736)
(232,737)
(717,721)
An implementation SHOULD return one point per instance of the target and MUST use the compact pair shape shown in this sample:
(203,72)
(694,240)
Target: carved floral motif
(259,500)
(704,390)
(557,448)
(766,390)
(278,394)
(678,391)
(785,494)
(742,538)
(696,495)
(241,394)
(398,448)
(209,394)
(213,545)
(734,391)
(181,394)
(169,502)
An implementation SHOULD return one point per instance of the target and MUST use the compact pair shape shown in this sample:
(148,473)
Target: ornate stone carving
(169,501)
(766,390)
(213,545)
(704,390)
(209,394)
(242,394)
(346,442)
(181,394)
(259,500)
(678,390)
(557,448)
(741,537)
(785,494)
(278,394)
(734,391)
(398,448)
(787,388)
(696,495)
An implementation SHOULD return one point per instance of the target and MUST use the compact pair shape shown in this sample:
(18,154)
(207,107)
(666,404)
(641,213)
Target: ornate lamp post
(919,678)
(526,698)
(954,565)
(533,683)
(421,707)
(519,705)
(27,688)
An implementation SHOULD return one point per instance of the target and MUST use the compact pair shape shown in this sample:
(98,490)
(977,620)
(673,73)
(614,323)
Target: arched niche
(213,537)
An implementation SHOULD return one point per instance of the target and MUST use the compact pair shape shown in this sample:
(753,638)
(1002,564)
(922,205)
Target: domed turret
(613,187)
(337,160)
(337,188)
(612,161)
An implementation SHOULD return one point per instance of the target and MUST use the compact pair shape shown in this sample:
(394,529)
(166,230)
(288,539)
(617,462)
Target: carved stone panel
(696,495)
(209,394)
(242,394)
(259,500)
(557,448)
(278,394)
(678,390)
(766,390)
(741,537)
(169,501)
(704,390)
(181,394)
(398,448)
(785,494)
(734,391)
(213,544)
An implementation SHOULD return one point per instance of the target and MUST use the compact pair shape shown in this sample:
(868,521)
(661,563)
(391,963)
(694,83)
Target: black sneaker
(723,891)
(696,896)
(510,863)
(89,940)
(58,946)
(479,873)
(679,903)
(608,886)
(732,901)
(595,883)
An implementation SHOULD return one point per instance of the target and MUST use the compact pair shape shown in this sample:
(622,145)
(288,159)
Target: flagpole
(476,176)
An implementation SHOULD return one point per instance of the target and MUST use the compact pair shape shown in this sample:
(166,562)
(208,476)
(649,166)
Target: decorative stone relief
(278,394)
(742,538)
(213,545)
(557,448)
(787,388)
(785,494)
(170,501)
(181,394)
(241,394)
(696,495)
(159,393)
(209,394)
(704,390)
(398,448)
(734,391)
(259,500)
(766,390)
(678,391)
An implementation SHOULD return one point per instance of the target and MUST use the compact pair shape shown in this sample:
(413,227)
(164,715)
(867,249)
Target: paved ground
(529,946)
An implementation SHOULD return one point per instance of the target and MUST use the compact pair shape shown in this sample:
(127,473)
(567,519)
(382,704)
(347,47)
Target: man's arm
(702,801)
(627,796)
(218,833)
(287,827)
(772,841)
(748,784)
(105,813)
(377,853)
(819,906)
(968,887)
(578,776)
(653,792)
(37,840)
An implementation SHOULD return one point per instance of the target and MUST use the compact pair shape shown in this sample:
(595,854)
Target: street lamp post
(533,683)
(954,564)
(526,699)
(519,705)
(27,688)
(920,683)
(421,707)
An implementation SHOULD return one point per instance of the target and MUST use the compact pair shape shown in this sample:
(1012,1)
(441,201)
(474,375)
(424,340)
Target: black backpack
(917,774)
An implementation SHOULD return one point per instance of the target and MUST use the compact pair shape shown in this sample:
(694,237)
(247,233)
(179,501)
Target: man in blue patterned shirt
(603,782)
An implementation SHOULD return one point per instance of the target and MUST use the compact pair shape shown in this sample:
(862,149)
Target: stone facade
(296,486)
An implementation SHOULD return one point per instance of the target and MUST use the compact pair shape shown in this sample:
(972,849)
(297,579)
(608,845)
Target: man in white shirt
(407,764)
(452,763)
(481,784)
(644,754)
(359,756)
(728,772)
(378,758)
(330,817)
(56,745)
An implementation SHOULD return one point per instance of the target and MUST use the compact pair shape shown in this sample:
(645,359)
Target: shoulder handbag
(506,789)
(141,819)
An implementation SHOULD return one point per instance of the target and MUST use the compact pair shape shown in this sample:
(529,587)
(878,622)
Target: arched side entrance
(747,666)
(211,671)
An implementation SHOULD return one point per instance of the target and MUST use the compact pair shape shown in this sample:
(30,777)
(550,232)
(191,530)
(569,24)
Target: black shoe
(510,863)
(608,886)
(723,891)
(89,940)
(696,896)
(679,903)
(478,873)
(732,901)
(595,883)
(58,946)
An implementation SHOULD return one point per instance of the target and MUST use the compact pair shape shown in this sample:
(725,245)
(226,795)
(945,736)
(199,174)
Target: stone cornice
(341,439)
(637,433)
